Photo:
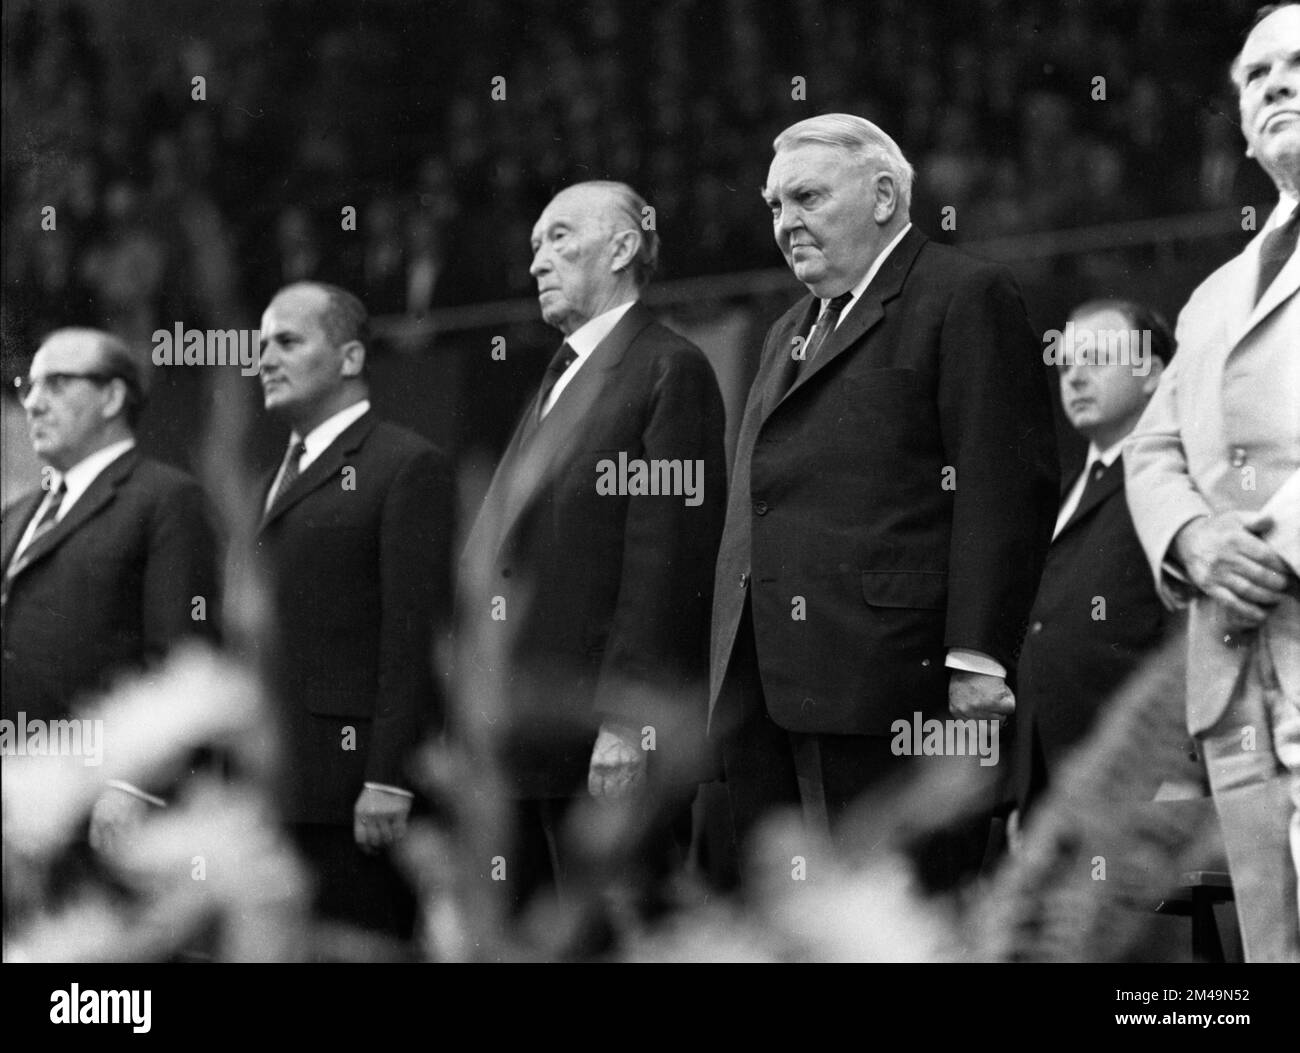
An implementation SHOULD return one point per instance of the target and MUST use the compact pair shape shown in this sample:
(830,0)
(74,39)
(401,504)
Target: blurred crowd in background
(173,208)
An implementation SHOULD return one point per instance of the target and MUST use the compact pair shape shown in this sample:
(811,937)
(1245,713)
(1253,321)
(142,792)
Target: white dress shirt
(76,481)
(1108,457)
(584,340)
(318,440)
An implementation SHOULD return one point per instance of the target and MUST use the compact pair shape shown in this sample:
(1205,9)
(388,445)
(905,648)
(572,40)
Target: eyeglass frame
(57,381)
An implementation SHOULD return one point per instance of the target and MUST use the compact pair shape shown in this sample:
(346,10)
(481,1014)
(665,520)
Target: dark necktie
(826,322)
(1276,249)
(43,526)
(289,474)
(1096,475)
(562,360)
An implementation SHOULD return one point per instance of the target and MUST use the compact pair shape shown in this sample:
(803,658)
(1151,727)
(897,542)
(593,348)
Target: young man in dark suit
(587,596)
(111,563)
(1096,614)
(356,534)
(892,492)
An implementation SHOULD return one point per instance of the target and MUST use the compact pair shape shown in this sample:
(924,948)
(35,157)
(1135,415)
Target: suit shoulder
(666,343)
(953,264)
(403,445)
(163,478)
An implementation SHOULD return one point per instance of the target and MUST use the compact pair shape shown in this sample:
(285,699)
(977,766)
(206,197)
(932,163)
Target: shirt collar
(1108,456)
(77,479)
(319,438)
(876,264)
(1286,204)
(587,337)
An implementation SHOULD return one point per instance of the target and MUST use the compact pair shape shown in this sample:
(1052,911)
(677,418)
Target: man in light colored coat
(1213,481)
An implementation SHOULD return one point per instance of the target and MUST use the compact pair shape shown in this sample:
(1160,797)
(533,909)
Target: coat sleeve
(1161,495)
(180,575)
(655,664)
(996,425)
(414,568)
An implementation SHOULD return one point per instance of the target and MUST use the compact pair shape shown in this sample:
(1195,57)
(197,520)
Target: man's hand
(379,819)
(979,695)
(114,818)
(1228,561)
(617,762)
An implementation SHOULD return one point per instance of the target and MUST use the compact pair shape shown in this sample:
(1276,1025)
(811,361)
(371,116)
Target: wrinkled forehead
(809,164)
(1276,36)
(67,353)
(577,208)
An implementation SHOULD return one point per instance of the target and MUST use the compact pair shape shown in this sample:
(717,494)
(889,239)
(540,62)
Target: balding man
(356,533)
(111,562)
(597,538)
(1213,479)
(892,495)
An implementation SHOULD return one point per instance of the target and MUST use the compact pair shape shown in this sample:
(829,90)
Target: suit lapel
(97,495)
(1111,483)
(1285,285)
(870,308)
(324,468)
(777,373)
(15,523)
(536,453)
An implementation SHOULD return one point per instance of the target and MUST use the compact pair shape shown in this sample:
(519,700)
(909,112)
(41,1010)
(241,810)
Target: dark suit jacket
(1071,662)
(109,589)
(838,508)
(606,597)
(359,561)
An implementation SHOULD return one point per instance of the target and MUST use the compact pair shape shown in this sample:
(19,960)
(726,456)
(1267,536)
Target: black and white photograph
(706,481)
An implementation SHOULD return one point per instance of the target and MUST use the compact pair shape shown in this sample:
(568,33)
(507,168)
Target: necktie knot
(825,325)
(560,361)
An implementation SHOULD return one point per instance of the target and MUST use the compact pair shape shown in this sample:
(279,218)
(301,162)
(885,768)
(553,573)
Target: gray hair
(627,210)
(117,362)
(857,135)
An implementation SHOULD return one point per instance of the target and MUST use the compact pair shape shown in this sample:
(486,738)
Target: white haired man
(892,497)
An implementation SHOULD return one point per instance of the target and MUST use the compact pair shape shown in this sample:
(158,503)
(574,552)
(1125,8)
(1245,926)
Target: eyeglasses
(54,383)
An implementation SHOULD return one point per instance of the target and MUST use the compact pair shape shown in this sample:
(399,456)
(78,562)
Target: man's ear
(884,198)
(354,358)
(627,243)
(116,402)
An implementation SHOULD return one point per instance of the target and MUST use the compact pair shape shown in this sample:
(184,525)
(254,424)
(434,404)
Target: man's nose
(791,220)
(1280,82)
(540,262)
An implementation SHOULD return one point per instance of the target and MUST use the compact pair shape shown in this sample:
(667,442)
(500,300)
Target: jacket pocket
(924,590)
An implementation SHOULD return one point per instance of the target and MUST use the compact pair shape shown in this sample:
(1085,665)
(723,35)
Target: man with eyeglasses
(103,563)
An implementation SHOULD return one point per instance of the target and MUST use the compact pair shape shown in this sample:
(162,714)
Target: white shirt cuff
(385,788)
(974,662)
(135,791)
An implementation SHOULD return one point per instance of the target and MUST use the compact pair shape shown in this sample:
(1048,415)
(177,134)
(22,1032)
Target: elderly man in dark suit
(596,541)
(356,534)
(111,563)
(892,493)
(1096,614)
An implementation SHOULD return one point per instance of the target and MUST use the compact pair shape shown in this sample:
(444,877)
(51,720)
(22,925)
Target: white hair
(864,140)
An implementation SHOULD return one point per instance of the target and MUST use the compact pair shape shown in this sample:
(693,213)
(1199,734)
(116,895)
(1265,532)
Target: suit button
(1238,456)
(1036,628)
(744,579)
(506,572)
(760,508)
